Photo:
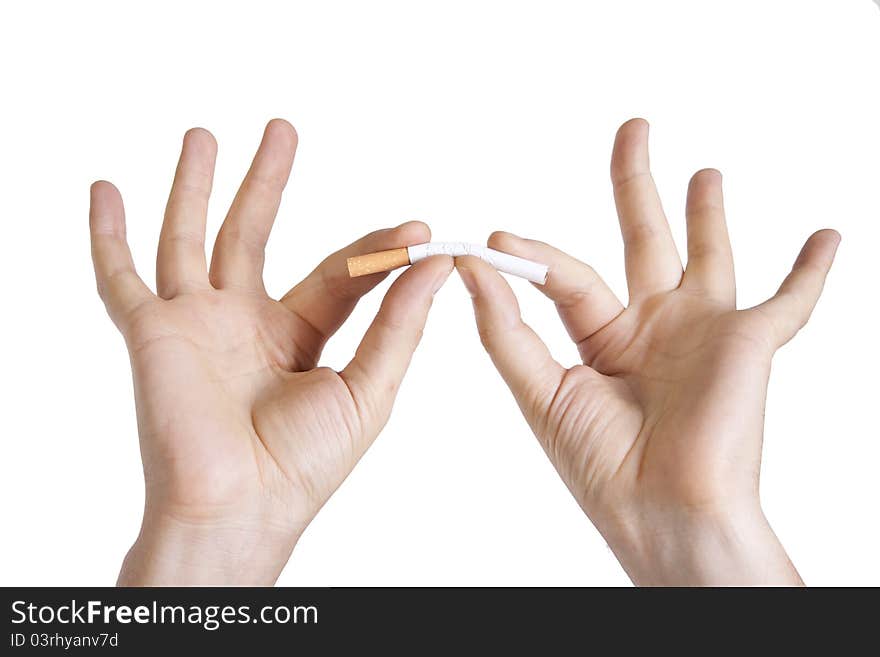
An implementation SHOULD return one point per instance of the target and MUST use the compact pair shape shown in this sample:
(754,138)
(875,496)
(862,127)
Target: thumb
(520,356)
(791,306)
(377,369)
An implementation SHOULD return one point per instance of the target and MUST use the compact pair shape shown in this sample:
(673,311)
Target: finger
(180,263)
(520,356)
(710,258)
(652,262)
(327,296)
(119,286)
(374,374)
(584,301)
(790,308)
(240,246)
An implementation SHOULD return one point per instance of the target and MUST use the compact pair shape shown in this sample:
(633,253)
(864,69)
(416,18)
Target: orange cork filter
(372,263)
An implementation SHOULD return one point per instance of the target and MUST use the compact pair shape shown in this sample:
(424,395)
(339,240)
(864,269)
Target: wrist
(174,552)
(722,546)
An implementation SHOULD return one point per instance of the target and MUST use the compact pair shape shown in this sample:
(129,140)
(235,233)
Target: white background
(472,116)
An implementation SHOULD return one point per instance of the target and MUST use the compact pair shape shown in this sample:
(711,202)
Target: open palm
(666,411)
(243,437)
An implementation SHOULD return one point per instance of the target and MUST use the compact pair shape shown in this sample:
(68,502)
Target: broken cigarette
(372,263)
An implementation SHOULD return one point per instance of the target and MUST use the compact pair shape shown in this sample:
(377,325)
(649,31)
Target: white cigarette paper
(509,264)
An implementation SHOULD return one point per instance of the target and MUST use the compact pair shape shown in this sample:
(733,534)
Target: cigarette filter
(388,260)
(379,261)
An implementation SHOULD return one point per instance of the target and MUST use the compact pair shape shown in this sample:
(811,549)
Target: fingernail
(441,279)
(467,277)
